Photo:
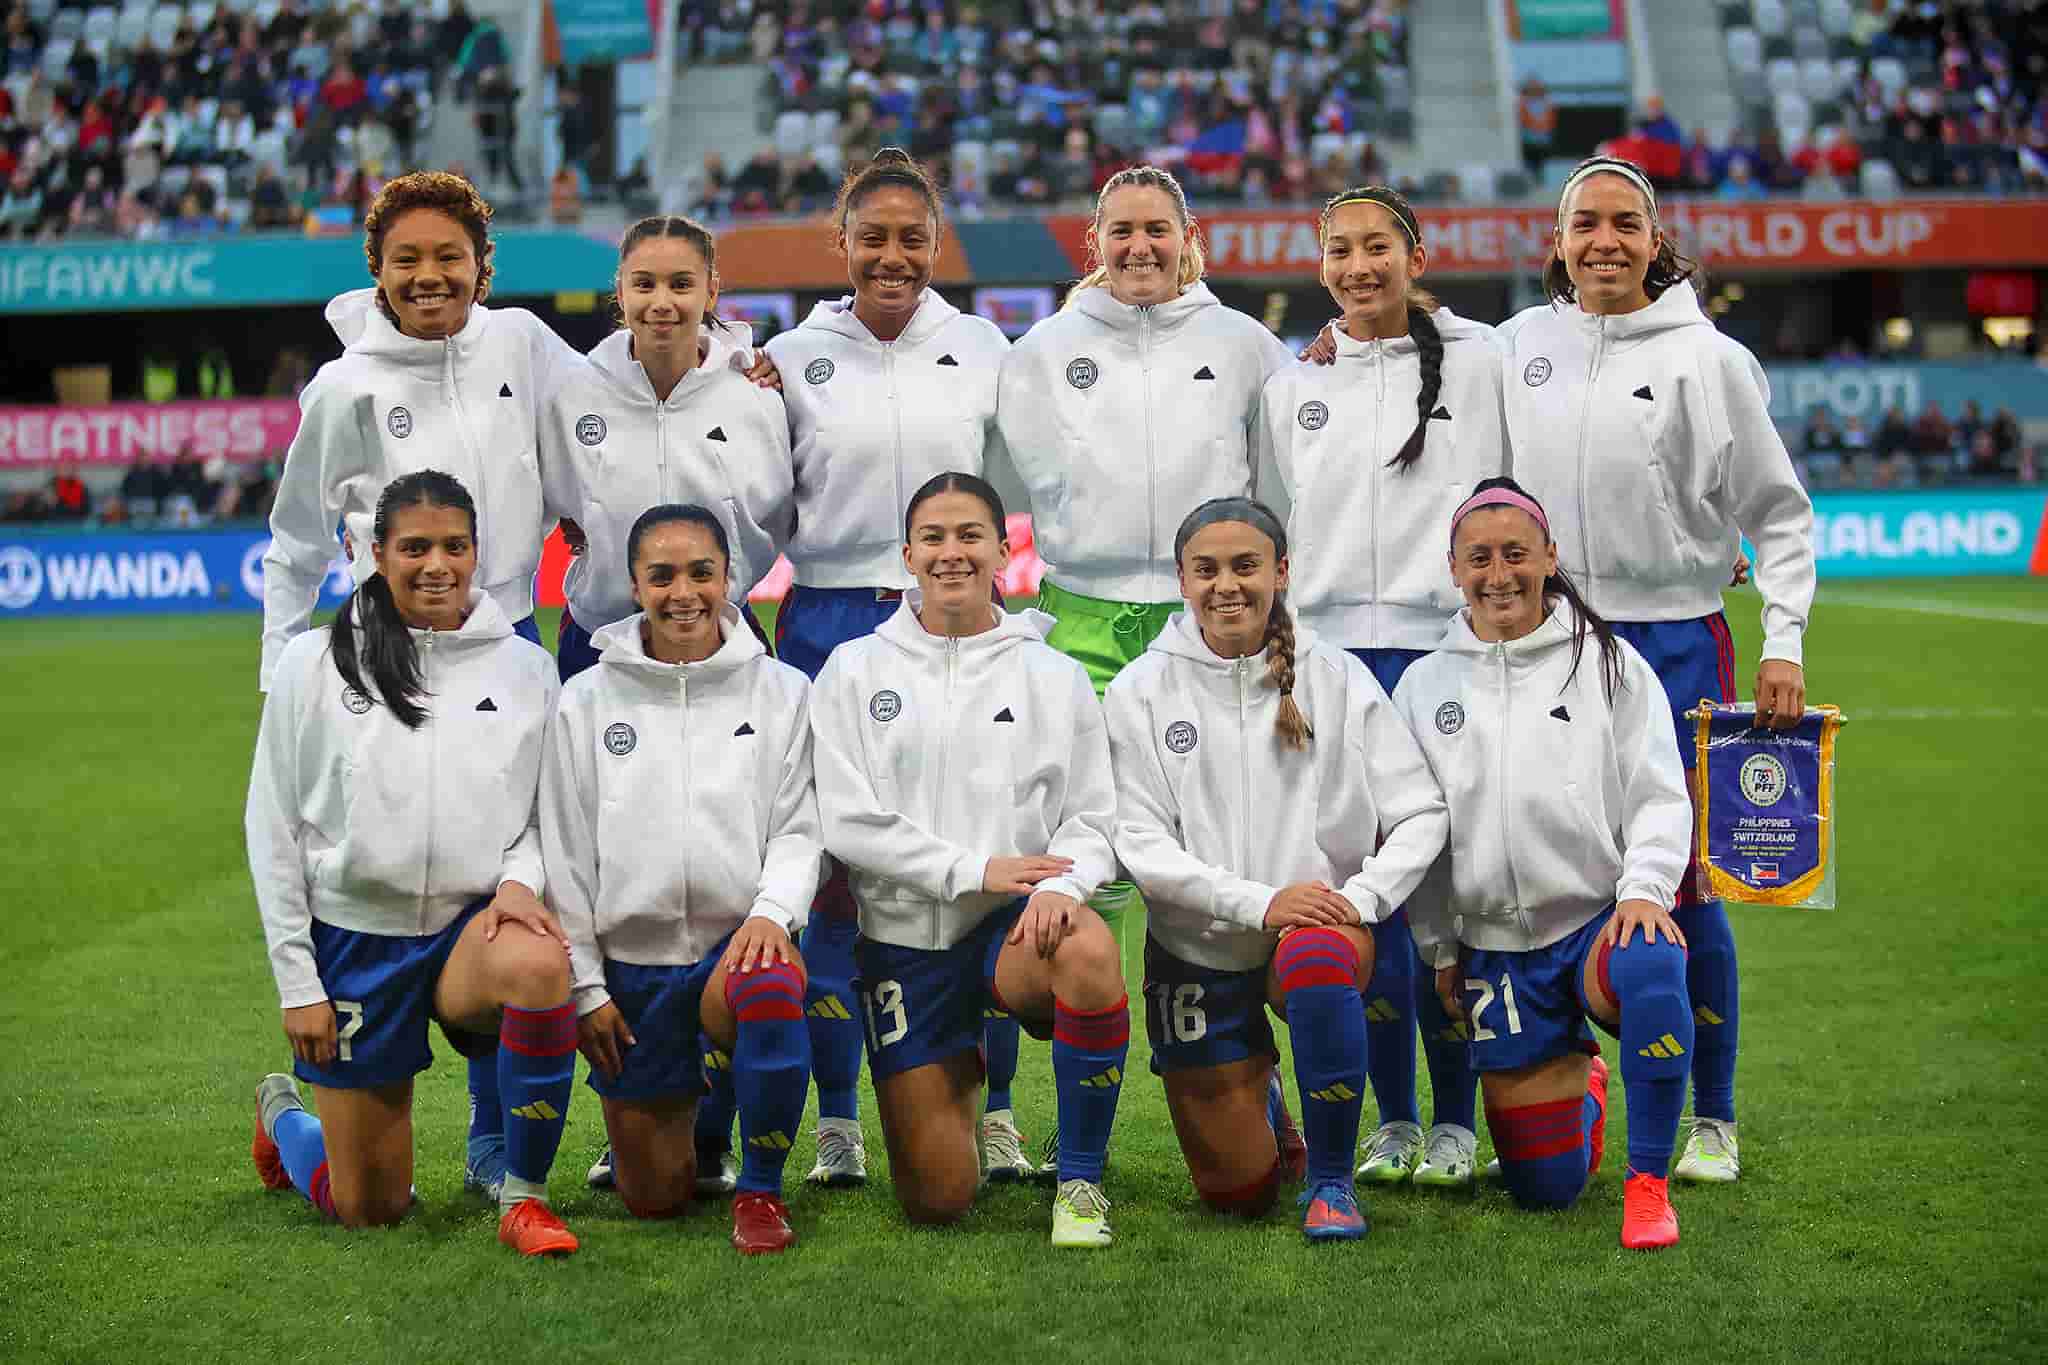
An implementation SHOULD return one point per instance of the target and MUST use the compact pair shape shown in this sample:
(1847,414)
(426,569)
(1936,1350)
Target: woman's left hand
(1323,350)
(763,372)
(1047,920)
(1652,918)
(1742,567)
(1780,694)
(515,903)
(759,941)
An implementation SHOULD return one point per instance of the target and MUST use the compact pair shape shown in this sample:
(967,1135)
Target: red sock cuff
(1247,1201)
(1092,1030)
(1532,1132)
(775,991)
(321,1196)
(1315,957)
(539,1033)
(1603,969)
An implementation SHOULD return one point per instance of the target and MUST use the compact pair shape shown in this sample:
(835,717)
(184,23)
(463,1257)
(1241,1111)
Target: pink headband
(1498,497)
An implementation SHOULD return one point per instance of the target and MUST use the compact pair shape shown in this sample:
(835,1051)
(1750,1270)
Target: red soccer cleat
(1596,1086)
(1287,1134)
(1648,1221)
(269,1161)
(760,1224)
(531,1228)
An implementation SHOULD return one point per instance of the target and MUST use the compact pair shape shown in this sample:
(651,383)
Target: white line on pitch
(1933,606)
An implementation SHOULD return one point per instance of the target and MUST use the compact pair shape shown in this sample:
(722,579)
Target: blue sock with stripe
(1648,981)
(771,1069)
(999,1030)
(1390,1021)
(1716,998)
(303,1147)
(830,1010)
(719,1107)
(1543,1150)
(486,1110)
(1089,1048)
(1318,969)
(536,1071)
(1447,1047)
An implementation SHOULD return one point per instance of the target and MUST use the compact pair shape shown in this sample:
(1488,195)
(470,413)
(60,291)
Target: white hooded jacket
(676,802)
(1121,420)
(1215,814)
(871,421)
(393,405)
(1562,802)
(360,823)
(1647,438)
(1366,540)
(609,450)
(936,754)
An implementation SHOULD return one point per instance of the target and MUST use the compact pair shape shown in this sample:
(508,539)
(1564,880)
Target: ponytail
(1292,726)
(1429,350)
(386,648)
(1586,621)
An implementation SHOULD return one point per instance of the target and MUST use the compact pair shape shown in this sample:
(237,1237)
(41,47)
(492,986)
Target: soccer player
(1365,459)
(1630,411)
(428,377)
(1275,812)
(1569,827)
(686,724)
(885,388)
(397,864)
(963,777)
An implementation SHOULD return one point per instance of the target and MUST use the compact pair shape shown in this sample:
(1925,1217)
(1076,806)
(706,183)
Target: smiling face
(955,551)
(427,557)
(1367,267)
(1230,574)
(680,579)
(666,290)
(428,273)
(1140,237)
(1499,559)
(1607,241)
(891,243)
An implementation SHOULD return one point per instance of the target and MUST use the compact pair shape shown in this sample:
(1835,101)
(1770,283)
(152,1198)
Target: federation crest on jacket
(620,739)
(1081,372)
(1180,737)
(1313,415)
(590,429)
(399,422)
(818,371)
(885,705)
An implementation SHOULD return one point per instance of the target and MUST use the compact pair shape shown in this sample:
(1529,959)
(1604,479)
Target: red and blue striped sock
(771,1069)
(536,1069)
(1088,1052)
(1543,1150)
(1318,969)
(303,1147)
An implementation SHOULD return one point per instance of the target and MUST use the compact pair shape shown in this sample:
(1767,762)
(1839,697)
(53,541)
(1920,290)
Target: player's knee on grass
(938,1196)
(1254,1199)
(374,1206)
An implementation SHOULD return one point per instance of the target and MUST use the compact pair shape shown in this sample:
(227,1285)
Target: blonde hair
(1153,177)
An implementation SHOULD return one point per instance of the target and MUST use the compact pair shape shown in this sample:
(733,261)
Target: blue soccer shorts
(1526,1008)
(926,1005)
(663,1007)
(1201,1016)
(382,990)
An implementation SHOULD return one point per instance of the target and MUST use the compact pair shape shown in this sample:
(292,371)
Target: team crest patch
(355,701)
(590,429)
(885,706)
(1180,736)
(1450,718)
(1763,780)
(399,423)
(818,371)
(1313,415)
(619,738)
(1537,372)
(1081,373)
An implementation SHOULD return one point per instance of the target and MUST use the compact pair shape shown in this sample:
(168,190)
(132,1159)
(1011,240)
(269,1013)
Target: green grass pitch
(1893,1092)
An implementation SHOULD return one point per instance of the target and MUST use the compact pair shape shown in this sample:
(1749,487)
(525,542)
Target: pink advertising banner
(243,429)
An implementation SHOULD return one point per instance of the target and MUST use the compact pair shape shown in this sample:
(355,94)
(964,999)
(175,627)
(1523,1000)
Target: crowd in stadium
(1926,448)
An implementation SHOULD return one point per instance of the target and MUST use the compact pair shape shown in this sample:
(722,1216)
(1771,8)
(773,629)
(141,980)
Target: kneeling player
(1569,832)
(963,775)
(1269,815)
(681,830)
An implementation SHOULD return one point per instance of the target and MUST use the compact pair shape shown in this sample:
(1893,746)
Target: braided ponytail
(1292,726)
(1429,351)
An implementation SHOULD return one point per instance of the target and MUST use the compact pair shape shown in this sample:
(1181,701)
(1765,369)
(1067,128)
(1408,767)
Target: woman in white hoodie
(1275,812)
(963,776)
(1650,431)
(397,862)
(686,724)
(1365,458)
(428,377)
(1569,827)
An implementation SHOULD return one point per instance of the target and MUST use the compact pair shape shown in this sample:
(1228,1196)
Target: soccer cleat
(1293,1148)
(1493,1169)
(1709,1156)
(718,1174)
(531,1228)
(484,1168)
(1080,1215)
(1449,1156)
(1002,1149)
(1331,1213)
(760,1224)
(1647,1219)
(1391,1153)
(275,1093)
(1049,1158)
(842,1155)
(600,1176)
(1596,1085)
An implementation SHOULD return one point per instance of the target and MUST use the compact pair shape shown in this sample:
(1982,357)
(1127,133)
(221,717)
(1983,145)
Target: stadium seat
(1794,117)
(1477,184)
(1771,19)
(201,13)
(825,126)
(98,35)
(971,157)
(163,26)
(1848,76)
(1745,51)
(792,132)
(131,26)
(1836,18)
(1781,77)
(68,24)
(1809,44)
(1879,180)
(41,10)
(57,56)
(1891,75)
(1817,79)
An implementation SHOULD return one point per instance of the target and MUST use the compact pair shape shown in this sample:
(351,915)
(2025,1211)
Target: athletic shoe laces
(1446,1149)
(1085,1199)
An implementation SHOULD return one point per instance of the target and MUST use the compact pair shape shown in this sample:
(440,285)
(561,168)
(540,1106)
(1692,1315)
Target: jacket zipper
(945,773)
(1585,435)
(1240,667)
(661,451)
(1506,830)
(895,417)
(476,455)
(1379,411)
(433,766)
(683,890)
(1151,471)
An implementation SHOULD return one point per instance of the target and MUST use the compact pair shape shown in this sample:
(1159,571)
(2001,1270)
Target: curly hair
(439,190)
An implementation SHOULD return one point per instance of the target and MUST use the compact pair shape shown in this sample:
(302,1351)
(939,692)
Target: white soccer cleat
(1080,1215)
(1002,1149)
(599,1176)
(715,1182)
(1391,1153)
(1450,1155)
(842,1155)
(1710,1156)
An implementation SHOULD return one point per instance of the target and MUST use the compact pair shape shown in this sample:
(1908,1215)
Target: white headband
(1606,165)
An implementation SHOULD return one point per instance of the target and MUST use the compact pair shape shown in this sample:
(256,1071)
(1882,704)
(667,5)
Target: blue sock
(999,1030)
(486,1112)
(1648,981)
(771,1069)
(1088,1052)
(1543,1150)
(829,1006)
(1712,986)
(304,1149)
(719,1107)
(1390,1021)
(1318,969)
(536,1068)
(1447,1047)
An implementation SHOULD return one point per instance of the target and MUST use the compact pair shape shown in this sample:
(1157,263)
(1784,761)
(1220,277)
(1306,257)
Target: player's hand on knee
(515,903)
(1780,693)
(310,1029)
(1652,918)
(1047,920)
(602,1036)
(1308,903)
(759,942)
(1021,876)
